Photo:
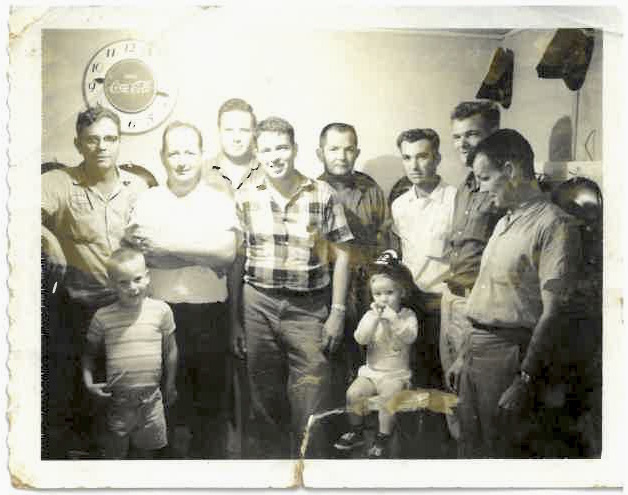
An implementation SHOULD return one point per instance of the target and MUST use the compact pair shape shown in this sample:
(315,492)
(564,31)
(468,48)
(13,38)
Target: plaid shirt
(286,248)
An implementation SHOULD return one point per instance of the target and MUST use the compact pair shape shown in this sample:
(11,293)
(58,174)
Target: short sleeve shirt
(473,223)
(132,340)
(197,216)
(423,224)
(88,225)
(365,208)
(287,246)
(534,248)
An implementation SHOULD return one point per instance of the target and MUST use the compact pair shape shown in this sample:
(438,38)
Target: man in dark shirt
(474,219)
(367,214)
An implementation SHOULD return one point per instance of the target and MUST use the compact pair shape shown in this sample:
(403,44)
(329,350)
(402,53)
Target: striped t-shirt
(132,340)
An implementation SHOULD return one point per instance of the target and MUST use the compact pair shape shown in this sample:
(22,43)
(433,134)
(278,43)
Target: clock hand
(99,80)
(161,93)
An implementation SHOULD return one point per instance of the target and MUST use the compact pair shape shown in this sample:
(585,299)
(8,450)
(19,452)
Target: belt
(457,289)
(283,292)
(495,329)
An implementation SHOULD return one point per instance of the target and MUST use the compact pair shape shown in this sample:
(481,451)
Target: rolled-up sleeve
(336,228)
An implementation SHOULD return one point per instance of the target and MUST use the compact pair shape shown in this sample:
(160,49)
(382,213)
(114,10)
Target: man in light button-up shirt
(422,219)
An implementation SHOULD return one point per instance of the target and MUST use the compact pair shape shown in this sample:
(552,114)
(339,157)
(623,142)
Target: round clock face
(129,78)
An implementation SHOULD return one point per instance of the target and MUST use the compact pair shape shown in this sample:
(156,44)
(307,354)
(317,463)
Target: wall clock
(130,78)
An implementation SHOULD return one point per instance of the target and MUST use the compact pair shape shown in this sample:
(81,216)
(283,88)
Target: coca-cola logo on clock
(130,78)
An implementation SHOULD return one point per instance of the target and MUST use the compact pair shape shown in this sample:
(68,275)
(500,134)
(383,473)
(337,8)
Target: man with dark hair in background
(474,219)
(366,211)
(84,210)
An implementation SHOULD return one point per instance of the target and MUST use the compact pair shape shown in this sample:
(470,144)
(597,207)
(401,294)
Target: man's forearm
(340,283)
(541,343)
(235,283)
(218,252)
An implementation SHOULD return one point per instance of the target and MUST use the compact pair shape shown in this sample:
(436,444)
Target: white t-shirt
(197,216)
(423,223)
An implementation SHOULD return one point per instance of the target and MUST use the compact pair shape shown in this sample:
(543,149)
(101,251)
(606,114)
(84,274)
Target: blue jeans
(285,361)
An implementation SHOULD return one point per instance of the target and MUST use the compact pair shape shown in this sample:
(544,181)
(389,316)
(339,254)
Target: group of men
(262,263)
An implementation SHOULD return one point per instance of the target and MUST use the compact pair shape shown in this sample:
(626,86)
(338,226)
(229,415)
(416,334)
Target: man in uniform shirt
(474,219)
(235,163)
(366,211)
(291,225)
(84,210)
(526,272)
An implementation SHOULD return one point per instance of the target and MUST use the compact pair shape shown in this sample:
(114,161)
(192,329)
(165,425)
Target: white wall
(538,104)
(382,82)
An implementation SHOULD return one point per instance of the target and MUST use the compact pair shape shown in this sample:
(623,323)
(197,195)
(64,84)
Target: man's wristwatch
(525,377)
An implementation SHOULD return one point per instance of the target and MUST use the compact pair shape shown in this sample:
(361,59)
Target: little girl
(388,329)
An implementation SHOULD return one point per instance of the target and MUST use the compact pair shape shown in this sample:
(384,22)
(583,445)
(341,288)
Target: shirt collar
(80,177)
(437,193)
(306,184)
(221,159)
(471,182)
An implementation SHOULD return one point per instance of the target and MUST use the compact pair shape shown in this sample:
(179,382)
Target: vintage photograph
(313,242)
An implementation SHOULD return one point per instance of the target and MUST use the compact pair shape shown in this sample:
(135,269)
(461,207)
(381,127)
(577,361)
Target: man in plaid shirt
(292,228)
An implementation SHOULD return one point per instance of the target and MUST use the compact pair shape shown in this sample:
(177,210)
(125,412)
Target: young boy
(137,335)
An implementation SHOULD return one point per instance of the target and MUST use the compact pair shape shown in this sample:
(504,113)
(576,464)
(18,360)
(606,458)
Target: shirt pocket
(82,222)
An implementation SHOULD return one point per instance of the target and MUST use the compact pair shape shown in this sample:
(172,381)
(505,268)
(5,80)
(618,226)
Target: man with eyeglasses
(84,211)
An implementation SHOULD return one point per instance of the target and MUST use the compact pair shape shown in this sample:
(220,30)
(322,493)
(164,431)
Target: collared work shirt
(365,208)
(213,172)
(534,248)
(196,217)
(88,225)
(286,246)
(473,222)
(423,223)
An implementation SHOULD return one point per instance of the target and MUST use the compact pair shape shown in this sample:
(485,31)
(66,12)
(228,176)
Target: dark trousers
(202,341)
(423,433)
(69,413)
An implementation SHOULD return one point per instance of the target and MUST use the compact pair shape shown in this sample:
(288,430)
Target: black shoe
(350,441)
(380,449)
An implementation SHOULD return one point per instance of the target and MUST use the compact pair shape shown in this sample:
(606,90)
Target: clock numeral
(129,47)
(111,52)
(131,124)
(96,66)
(92,86)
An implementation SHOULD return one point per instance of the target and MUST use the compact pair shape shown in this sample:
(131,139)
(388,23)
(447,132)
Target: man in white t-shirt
(186,231)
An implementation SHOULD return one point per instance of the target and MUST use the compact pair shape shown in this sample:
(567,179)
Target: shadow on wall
(385,169)
(561,140)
